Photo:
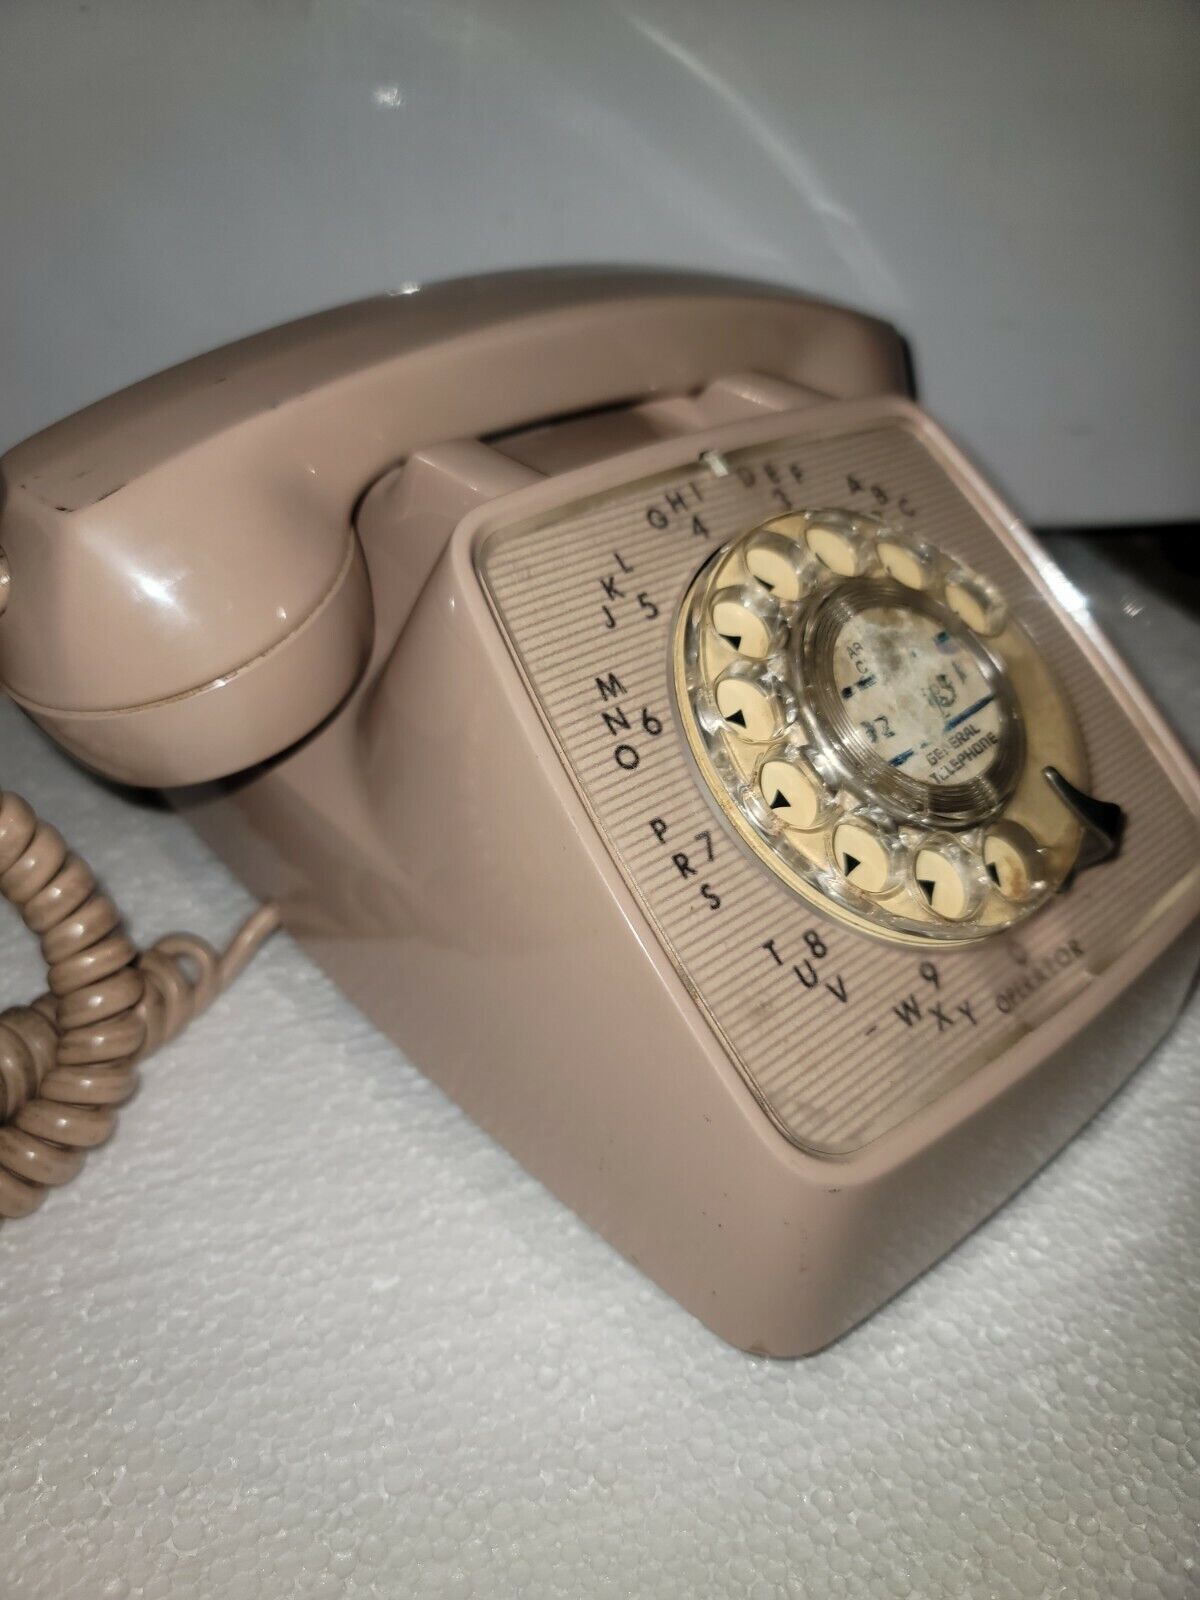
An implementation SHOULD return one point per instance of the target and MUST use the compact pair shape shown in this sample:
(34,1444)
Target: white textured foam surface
(301,1329)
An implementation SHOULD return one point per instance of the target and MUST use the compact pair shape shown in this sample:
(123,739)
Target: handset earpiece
(182,623)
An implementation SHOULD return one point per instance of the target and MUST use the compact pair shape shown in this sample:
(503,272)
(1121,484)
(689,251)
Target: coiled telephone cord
(69,1059)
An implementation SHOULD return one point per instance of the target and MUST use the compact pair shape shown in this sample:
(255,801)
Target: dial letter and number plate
(839,1035)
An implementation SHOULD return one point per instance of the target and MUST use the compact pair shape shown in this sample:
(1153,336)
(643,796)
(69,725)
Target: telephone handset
(648,716)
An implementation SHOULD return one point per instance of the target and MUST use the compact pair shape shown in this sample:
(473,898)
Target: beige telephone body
(644,712)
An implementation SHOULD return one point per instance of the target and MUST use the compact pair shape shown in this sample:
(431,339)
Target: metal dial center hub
(907,704)
(874,726)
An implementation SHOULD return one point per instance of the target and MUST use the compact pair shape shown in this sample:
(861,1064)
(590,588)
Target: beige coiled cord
(68,1060)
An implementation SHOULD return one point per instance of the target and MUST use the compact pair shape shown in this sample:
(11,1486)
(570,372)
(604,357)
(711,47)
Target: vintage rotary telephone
(647,715)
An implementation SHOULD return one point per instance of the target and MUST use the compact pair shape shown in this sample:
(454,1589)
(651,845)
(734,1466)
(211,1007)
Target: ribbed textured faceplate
(839,1035)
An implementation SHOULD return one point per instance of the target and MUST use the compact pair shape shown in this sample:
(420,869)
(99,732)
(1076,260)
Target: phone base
(430,850)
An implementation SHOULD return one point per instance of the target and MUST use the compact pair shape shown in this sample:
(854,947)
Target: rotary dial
(877,729)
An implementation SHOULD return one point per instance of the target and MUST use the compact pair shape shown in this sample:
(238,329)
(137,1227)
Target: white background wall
(1014,185)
